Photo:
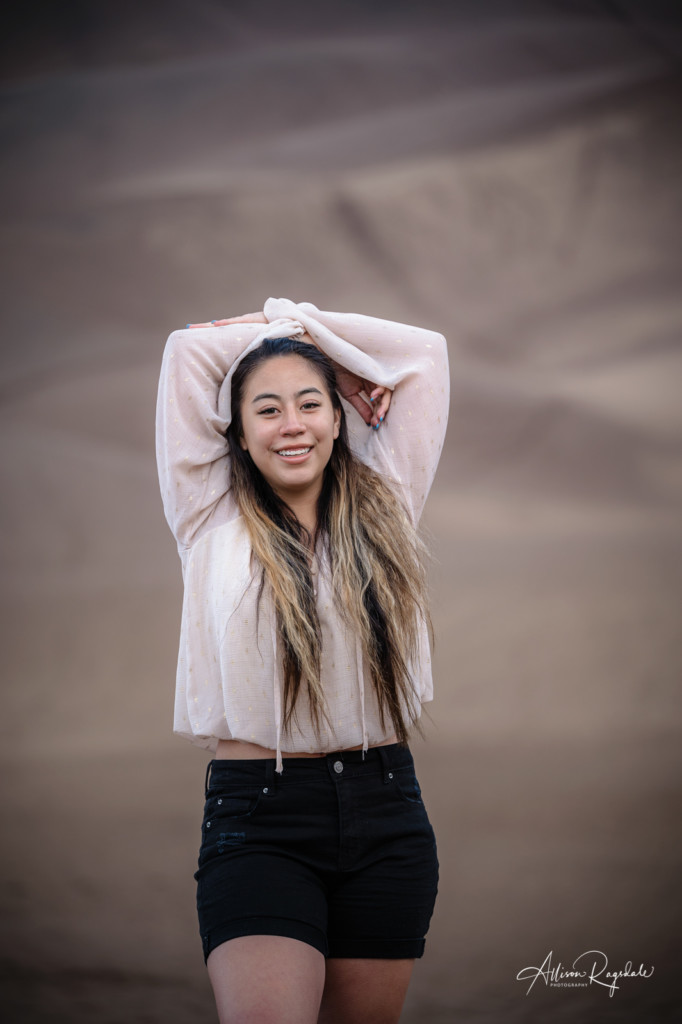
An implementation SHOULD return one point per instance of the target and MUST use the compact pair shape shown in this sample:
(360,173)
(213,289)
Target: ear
(242,443)
(337,422)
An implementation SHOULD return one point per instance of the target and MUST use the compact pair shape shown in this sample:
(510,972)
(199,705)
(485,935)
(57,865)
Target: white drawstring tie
(277,692)
(361,684)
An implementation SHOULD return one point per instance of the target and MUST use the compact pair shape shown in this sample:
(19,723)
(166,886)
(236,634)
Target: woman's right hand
(247,318)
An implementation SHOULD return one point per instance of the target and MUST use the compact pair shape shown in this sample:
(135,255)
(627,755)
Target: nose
(291,422)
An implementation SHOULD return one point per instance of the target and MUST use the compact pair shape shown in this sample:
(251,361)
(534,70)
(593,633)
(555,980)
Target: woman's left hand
(351,387)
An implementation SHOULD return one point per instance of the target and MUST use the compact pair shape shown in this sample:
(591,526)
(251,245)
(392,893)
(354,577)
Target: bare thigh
(364,991)
(267,979)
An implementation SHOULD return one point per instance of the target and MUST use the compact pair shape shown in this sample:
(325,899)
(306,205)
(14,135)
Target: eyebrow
(304,391)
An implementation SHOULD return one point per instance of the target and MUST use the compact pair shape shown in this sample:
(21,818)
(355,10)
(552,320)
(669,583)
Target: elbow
(442,355)
(181,338)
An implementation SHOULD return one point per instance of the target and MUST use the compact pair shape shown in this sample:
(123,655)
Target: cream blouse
(229,677)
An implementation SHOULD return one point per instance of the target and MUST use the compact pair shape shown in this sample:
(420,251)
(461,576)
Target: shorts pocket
(227,814)
(406,785)
(235,802)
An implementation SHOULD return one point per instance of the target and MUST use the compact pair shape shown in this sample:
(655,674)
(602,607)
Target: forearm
(382,351)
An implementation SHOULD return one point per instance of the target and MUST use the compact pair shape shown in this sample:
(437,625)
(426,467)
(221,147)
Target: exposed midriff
(241,750)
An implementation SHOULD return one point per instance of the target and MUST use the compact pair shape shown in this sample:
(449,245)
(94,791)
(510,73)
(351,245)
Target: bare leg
(266,979)
(364,991)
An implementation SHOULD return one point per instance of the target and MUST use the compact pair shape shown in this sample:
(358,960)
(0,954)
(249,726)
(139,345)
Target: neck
(304,507)
(306,515)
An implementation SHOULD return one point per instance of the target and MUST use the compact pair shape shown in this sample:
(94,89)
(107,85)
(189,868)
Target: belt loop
(385,764)
(208,772)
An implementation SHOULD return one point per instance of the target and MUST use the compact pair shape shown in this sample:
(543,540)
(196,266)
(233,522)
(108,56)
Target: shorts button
(208,824)
(338,767)
(390,775)
(265,789)
(220,800)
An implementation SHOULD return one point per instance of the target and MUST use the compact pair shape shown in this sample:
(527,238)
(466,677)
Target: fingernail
(212,321)
(381,419)
(377,426)
(371,399)
(187,325)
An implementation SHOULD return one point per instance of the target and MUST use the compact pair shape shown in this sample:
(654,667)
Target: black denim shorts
(336,851)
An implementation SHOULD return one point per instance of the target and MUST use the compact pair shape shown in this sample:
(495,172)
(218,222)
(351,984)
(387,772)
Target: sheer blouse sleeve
(413,363)
(192,451)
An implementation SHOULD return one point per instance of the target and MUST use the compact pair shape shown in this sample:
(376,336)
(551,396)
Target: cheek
(253,433)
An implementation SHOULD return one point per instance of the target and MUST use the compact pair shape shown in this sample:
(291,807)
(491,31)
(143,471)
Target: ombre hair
(376,557)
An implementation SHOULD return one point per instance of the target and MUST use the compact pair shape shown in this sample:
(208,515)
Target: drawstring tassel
(277,694)
(361,684)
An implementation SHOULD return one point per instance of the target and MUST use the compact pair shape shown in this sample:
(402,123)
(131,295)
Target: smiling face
(289,426)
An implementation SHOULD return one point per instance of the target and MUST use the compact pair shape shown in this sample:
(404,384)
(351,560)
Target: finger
(384,403)
(381,399)
(362,407)
(212,323)
(246,318)
(375,394)
(229,320)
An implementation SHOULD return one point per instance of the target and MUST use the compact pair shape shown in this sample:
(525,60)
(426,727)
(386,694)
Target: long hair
(376,557)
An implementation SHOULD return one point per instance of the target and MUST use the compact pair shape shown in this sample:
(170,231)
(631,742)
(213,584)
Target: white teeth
(293,451)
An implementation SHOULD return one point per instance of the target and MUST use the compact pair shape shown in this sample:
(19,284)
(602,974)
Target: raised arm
(192,451)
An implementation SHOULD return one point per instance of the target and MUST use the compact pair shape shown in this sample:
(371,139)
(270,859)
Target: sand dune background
(507,174)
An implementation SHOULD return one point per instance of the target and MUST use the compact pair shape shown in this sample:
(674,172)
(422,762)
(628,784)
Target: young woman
(296,449)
